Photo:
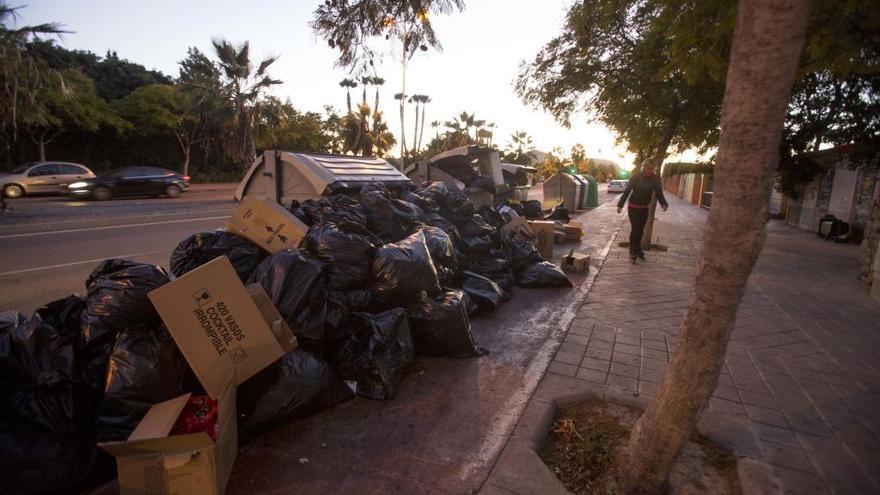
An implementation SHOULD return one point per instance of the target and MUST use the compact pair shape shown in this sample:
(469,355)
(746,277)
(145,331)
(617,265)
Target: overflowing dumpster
(476,170)
(285,176)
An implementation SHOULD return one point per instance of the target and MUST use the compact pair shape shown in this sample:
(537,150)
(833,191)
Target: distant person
(638,190)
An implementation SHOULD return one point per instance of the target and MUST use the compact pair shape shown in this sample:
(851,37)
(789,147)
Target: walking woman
(639,190)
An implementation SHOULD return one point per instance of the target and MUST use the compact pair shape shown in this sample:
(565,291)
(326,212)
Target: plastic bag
(496,269)
(491,216)
(440,326)
(402,270)
(389,218)
(521,253)
(145,368)
(532,209)
(485,293)
(198,249)
(297,385)
(198,415)
(445,225)
(336,208)
(38,375)
(475,226)
(375,353)
(440,246)
(297,285)
(46,462)
(559,212)
(542,274)
(117,298)
(347,249)
(340,308)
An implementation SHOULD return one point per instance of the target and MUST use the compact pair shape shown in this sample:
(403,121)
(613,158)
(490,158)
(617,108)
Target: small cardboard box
(222,326)
(575,262)
(543,237)
(573,232)
(266,224)
(152,462)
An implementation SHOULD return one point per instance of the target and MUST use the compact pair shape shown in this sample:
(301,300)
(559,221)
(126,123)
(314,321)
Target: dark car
(131,181)
(42,178)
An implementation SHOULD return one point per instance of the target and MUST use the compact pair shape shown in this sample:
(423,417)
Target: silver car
(42,178)
(617,186)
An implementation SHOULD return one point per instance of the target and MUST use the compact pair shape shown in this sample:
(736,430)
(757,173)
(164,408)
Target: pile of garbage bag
(377,279)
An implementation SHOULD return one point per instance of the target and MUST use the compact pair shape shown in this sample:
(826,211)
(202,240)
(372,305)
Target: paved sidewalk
(800,389)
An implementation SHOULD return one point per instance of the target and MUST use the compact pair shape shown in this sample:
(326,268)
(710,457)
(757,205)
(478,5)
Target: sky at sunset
(482,49)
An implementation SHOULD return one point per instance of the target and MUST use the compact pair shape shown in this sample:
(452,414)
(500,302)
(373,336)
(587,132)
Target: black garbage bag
(145,368)
(521,252)
(445,225)
(375,353)
(44,462)
(341,306)
(485,293)
(491,216)
(117,299)
(336,208)
(482,182)
(532,209)
(475,226)
(297,285)
(297,385)
(469,303)
(38,378)
(477,245)
(497,269)
(427,204)
(456,206)
(542,274)
(440,326)
(198,249)
(402,270)
(389,218)
(347,249)
(440,246)
(559,212)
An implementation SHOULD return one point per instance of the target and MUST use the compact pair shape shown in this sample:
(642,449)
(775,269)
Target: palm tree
(348,84)
(436,125)
(365,81)
(23,74)
(243,86)
(764,56)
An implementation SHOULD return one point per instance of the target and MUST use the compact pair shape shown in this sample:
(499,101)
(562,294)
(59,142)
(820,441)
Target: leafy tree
(163,109)
(281,126)
(519,149)
(764,57)
(200,78)
(67,103)
(347,25)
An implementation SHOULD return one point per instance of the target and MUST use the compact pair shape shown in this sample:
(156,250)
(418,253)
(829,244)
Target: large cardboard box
(543,237)
(227,332)
(222,326)
(266,224)
(152,462)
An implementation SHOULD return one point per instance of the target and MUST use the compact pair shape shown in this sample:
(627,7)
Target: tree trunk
(402,103)
(671,129)
(348,99)
(41,148)
(422,129)
(416,132)
(765,53)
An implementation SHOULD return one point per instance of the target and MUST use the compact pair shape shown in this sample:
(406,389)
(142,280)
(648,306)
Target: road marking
(108,227)
(74,263)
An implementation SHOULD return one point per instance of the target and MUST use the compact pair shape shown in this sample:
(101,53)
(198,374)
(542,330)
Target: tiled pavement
(800,388)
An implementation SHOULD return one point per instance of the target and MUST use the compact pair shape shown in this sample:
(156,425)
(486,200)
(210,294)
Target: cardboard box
(266,224)
(573,232)
(220,325)
(227,332)
(543,240)
(152,462)
(574,262)
(518,225)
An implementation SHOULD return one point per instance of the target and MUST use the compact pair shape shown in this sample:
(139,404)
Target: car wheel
(172,191)
(102,194)
(13,191)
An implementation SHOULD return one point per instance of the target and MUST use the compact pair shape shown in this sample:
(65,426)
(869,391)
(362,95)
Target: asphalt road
(49,245)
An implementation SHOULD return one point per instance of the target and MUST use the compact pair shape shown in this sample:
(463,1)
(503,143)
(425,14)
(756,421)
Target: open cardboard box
(266,224)
(228,333)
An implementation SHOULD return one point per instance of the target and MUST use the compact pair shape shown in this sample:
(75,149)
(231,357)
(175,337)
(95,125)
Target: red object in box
(199,414)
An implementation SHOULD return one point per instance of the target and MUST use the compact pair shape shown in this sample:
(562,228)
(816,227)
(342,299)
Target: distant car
(42,178)
(131,181)
(617,186)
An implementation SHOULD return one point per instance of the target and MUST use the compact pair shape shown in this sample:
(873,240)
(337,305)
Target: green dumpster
(592,191)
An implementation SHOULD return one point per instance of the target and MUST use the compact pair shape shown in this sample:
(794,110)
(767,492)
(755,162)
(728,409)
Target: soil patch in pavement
(586,440)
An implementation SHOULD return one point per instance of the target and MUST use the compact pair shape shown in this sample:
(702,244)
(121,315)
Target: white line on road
(108,227)
(74,263)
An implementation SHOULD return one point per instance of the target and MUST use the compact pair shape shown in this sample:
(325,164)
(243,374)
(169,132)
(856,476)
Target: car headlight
(77,185)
